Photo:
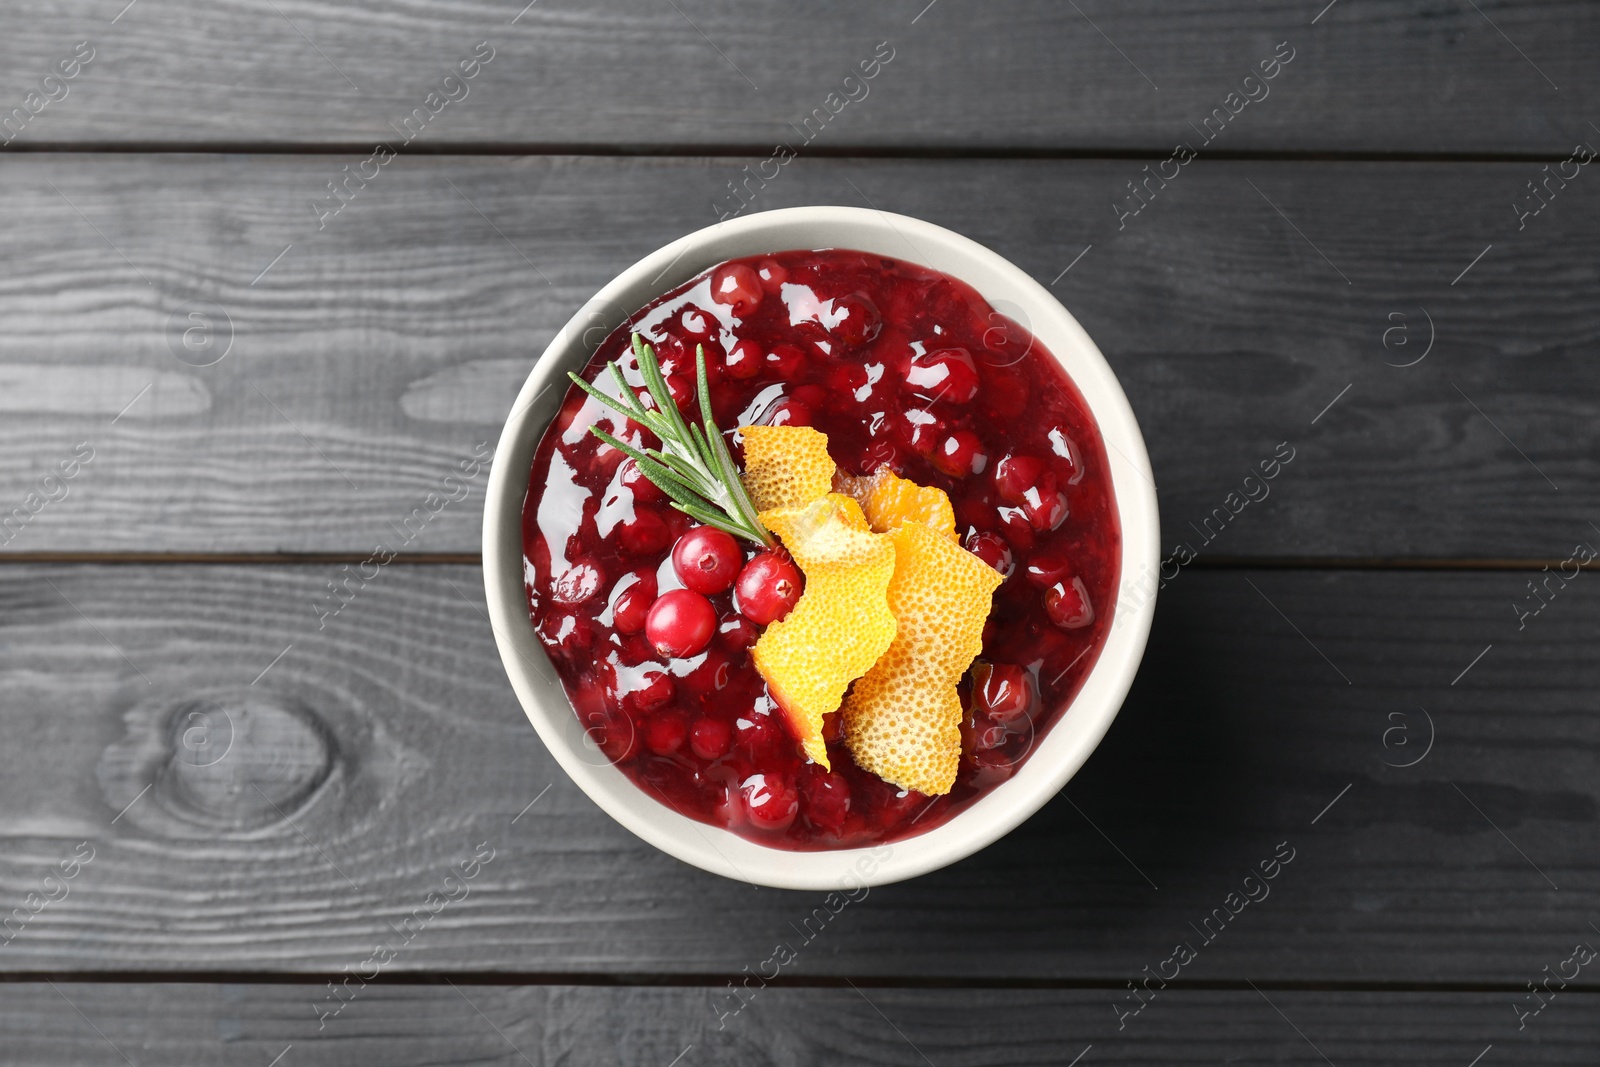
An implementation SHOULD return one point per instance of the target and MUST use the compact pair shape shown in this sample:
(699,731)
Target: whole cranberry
(612,733)
(923,430)
(1068,605)
(857,321)
(1002,691)
(984,735)
(772,274)
(645,534)
(770,801)
(665,732)
(581,580)
(782,361)
(1046,511)
(710,678)
(827,797)
(761,737)
(709,738)
(644,490)
(631,598)
(1018,530)
(768,587)
(696,324)
(680,623)
(1048,568)
(707,559)
(738,286)
(947,376)
(993,766)
(790,413)
(1014,476)
(737,632)
(743,360)
(812,395)
(993,550)
(651,689)
(960,454)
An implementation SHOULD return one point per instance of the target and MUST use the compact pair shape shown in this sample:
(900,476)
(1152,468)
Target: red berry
(1047,568)
(790,413)
(771,801)
(611,732)
(743,360)
(581,580)
(857,320)
(1067,603)
(924,430)
(947,376)
(631,598)
(984,735)
(1015,475)
(1002,691)
(738,633)
(645,534)
(644,490)
(710,678)
(680,623)
(1018,531)
(1047,510)
(710,738)
(993,550)
(768,587)
(960,454)
(665,732)
(707,559)
(761,737)
(695,323)
(648,689)
(782,361)
(738,286)
(827,798)
(772,274)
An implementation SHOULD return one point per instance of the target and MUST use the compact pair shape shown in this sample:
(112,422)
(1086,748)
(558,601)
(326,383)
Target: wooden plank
(1025,74)
(370,358)
(260,795)
(249,1025)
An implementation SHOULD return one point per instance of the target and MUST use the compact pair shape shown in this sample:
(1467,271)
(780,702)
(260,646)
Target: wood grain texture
(364,361)
(307,812)
(248,1025)
(1406,76)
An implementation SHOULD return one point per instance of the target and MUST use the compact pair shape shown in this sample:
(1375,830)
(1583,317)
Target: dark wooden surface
(1395,76)
(341,786)
(247,1025)
(379,351)
(249,803)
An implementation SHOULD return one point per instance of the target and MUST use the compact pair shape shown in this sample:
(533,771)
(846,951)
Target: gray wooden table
(239,347)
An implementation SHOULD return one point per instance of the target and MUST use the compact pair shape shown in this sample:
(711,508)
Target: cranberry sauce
(898,365)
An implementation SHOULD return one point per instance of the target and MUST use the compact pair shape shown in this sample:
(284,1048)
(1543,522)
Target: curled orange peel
(889,500)
(841,624)
(902,719)
(785,466)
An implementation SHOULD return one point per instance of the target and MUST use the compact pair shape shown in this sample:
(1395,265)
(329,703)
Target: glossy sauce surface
(897,364)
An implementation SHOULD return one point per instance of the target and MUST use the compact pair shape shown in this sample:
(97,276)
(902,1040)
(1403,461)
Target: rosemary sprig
(692,466)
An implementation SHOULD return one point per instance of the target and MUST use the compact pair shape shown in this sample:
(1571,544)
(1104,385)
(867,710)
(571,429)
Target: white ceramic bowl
(1055,758)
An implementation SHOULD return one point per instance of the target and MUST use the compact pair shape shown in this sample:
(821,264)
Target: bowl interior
(1056,756)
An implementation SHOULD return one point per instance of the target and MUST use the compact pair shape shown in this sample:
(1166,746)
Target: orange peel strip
(889,500)
(785,466)
(902,719)
(841,624)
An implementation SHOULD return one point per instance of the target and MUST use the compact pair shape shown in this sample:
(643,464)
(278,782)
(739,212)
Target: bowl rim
(1070,739)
